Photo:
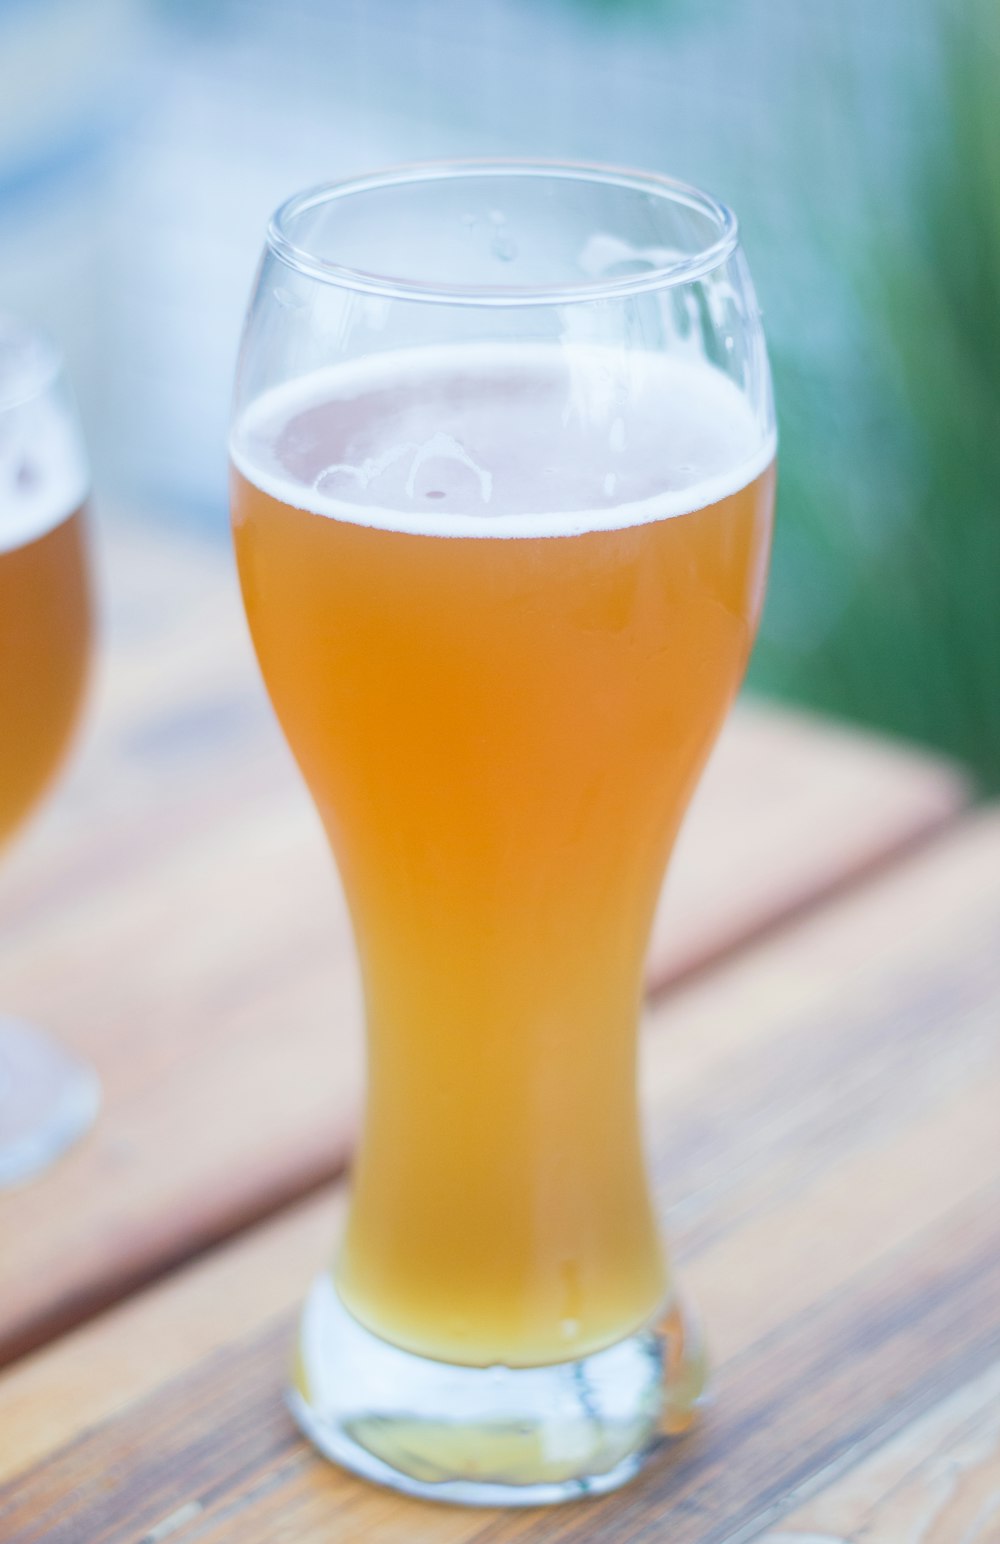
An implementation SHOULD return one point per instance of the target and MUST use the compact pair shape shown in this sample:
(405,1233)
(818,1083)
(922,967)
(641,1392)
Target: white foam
(43,470)
(715,436)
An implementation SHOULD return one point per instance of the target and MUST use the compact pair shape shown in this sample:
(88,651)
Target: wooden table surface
(821,1082)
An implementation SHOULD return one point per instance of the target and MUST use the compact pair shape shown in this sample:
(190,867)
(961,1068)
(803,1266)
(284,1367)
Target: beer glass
(47,1096)
(502,454)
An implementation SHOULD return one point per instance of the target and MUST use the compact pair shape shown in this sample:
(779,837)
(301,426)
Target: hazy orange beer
(44,648)
(501,731)
(502,590)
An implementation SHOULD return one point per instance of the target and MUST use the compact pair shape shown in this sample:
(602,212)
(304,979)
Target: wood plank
(935,1482)
(825,1147)
(174,916)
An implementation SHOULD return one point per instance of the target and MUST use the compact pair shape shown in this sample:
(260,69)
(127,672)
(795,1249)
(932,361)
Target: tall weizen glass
(502,483)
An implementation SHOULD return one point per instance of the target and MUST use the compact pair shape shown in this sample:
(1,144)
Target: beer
(44,605)
(502,601)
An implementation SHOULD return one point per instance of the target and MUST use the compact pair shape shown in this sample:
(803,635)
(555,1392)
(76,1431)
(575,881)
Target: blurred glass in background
(860,145)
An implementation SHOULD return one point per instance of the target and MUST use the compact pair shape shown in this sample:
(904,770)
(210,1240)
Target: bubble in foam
(444,447)
(331,477)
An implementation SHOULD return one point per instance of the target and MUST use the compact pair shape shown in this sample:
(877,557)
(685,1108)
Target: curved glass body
(46,1097)
(502,483)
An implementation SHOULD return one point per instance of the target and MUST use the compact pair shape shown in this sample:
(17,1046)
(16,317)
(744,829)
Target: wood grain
(175,916)
(935,1482)
(822,1120)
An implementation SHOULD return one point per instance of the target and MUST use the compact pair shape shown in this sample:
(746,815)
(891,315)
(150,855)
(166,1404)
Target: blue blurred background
(143,144)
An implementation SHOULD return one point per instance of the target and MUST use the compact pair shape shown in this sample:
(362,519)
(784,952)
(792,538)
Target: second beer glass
(502,490)
(48,1096)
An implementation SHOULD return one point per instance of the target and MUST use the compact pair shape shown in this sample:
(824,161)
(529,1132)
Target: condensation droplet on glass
(503,246)
(610,484)
(377,311)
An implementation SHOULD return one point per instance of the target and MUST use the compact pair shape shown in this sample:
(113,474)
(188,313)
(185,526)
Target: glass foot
(490,1436)
(48,1098)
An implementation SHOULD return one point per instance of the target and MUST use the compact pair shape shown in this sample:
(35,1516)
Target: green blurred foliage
(886,583)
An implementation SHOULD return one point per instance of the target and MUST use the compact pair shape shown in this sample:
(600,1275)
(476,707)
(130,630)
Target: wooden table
(822,1093)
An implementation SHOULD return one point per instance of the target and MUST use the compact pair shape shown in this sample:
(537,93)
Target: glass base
(48,1098)
(490,1436)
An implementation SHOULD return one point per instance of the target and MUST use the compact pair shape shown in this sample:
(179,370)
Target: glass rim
(683,269)
(37,362)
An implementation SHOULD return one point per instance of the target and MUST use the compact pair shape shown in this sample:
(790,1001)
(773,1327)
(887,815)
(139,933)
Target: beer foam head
(503,440)
(43,465)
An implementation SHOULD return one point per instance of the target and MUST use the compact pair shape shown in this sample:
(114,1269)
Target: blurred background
(143,144)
